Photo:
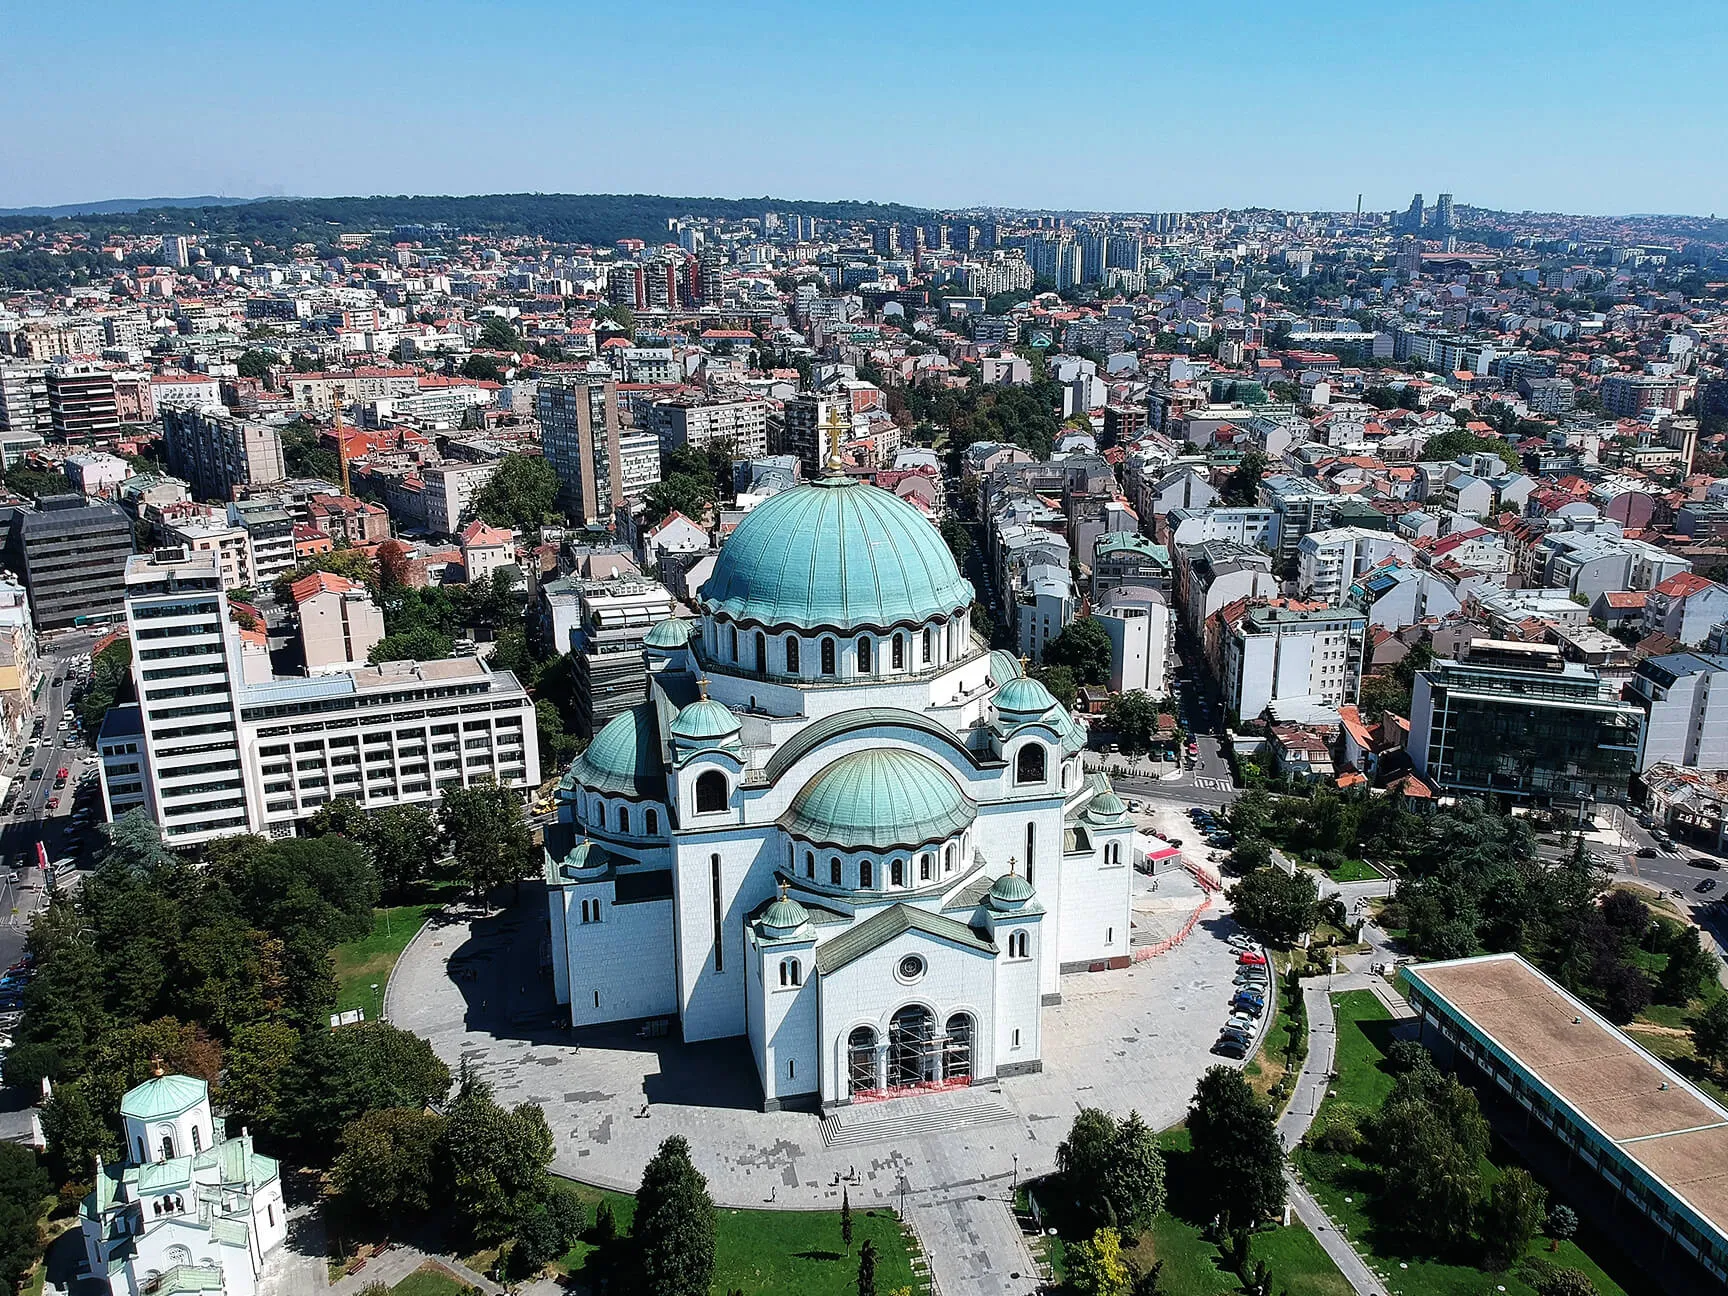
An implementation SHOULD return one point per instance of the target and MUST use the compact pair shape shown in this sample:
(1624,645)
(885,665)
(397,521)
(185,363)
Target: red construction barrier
(1171,942)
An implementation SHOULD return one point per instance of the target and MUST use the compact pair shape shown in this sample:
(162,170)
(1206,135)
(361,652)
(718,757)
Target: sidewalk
(393,1265)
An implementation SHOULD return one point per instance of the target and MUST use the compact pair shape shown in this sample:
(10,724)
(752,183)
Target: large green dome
(835,554)
(623,758)
(880,800)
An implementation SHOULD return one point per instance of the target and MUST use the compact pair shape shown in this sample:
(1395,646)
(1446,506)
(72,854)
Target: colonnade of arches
(914,1053)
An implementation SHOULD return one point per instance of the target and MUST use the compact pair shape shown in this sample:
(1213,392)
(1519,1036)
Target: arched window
(1083,842)
(809,864)
(167,1147)
(143,1154)
(899,652)
(861,1060)
(897,873)
(761,652)
(791,972)
(866,875)
(711,792)
(1029,764)
(732,635)
(864,653)
(1017,944)
(652,816)
(1031,845)
(948,858)
(957,1048)
(623,819)
(597,813)
(834,870)
(828,651)
(197,1142)
(791,654)
(923,868)
(929,644)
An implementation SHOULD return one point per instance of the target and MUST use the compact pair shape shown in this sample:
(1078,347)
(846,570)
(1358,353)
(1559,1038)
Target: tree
(1449,445)
(1565,1282)
(867,1269)
(521,494)
(388,1162)
(1242,487)
(846,1217)
(1096,1266)
(1133,718)
(497,1160)
(482,369)
(1709,1033)
(403,841)
(1084,648)
(1562,1224)
(258,1061)
(487,834)
(1134,1176)
(683,493)
(110,679)
(24,1197)
(419,644)
(1059,680)
(957,537)
(1280,907)
(1427,1142)
(498,334)
(394,565)
(1083,1161)
(1236,1151)
(674,1226)
(75,1134)
(253,364)
(337,1076)
(1689,966)
(1516,1207)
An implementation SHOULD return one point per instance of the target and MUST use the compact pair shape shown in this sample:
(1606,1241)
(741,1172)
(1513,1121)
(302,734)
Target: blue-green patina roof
(1023,699)
(1004,666)
(896,920)
(835,554)
(705,718)
(880,800)
(624,757)
(671,633)
(163,1096)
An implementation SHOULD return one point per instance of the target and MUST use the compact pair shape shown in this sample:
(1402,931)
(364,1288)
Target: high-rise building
(176,251)
(626,285)
(1443,218)
(709,420)
(73,557)
(1093,245)
(24,399)
(1517,721)
(1123,252)
(218,454)
(579,432)
(1413,215)
(806,428)
(82,404)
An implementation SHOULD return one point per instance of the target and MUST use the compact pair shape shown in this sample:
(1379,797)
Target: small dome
(1004,666)
(780,919)
(880,800)
(705,721)
(164,1096)
(839,555)
(1010,891)
(670,634)
(1020,700)
(1106,807)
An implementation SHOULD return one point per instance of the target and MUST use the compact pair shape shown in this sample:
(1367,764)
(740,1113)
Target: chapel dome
(670,634)
(782,918)
(623,758)
(835,554)
(880,800)
(1106,808)
(164,1096)
(1004,666)
(705,721)
(1022,700)
(1010,891)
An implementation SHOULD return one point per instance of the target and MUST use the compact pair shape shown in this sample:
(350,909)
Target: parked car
(1251,958)
(1231,1049)
(53,803)
(36,774)
(1250,1005)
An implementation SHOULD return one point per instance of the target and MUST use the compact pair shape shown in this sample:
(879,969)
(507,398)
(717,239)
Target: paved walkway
(395,1263)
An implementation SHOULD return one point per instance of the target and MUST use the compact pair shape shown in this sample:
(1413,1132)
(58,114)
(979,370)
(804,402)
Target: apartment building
(1629,395)
(1328,562)
(219,455)
(1684,697)
(707,421)
(1517,721)
(82,406)
(447,492)
(72,554)
(1298,507)
(580,434)
(1275,652)
(229,543)
(269,531)
(602,624)
(24,399)
(222,756)
(339,622)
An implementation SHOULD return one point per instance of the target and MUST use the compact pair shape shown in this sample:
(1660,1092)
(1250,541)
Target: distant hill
(112,206)
(565,218)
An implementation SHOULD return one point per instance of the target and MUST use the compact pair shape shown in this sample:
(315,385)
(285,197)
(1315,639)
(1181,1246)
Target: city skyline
(1165,109)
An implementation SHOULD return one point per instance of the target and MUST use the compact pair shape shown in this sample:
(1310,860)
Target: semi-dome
(880,800)
(1010,891)
(835,554)
(1004,666)
(624,757)
(672,633)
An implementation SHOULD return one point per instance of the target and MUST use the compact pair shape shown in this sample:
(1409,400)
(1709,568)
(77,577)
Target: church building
(189,1209)
(840,825)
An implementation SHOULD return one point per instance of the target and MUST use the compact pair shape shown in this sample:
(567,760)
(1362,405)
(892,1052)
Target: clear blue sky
(1575,105)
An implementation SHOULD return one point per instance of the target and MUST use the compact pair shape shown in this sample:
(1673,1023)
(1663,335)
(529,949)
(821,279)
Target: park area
(1352,1189)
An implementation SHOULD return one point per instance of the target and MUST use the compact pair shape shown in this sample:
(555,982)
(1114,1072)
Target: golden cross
(835,428)
(156,1066)
(782,888)
(1011,863)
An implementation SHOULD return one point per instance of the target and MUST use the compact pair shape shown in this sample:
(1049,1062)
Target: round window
(911,968)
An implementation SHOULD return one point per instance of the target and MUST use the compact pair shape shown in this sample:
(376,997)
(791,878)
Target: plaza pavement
(473,986)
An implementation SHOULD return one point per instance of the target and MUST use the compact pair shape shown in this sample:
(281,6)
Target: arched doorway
(861,1061)
(912,1056)
(957,1050)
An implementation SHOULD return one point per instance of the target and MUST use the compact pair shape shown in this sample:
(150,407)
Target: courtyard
(475,986)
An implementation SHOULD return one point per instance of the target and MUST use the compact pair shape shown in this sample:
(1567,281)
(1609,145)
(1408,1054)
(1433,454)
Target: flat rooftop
(1653,1115)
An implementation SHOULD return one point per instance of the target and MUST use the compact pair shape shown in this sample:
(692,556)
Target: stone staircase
(898,1117)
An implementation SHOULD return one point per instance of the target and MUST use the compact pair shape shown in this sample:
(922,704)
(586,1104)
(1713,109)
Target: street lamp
(378,1000)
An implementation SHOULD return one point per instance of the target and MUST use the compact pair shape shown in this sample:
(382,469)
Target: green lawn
(1346,1186)
(779,1253)
(361,964)
(1354,870)
(430,1279)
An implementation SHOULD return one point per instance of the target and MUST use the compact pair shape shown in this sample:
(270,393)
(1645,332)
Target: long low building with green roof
(840,826)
